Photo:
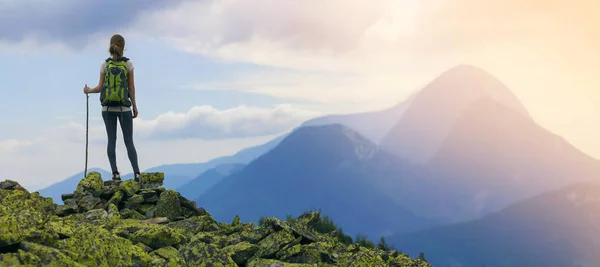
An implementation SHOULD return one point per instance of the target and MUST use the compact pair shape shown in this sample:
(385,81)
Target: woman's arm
(132,88)
(132,94)
(98,87)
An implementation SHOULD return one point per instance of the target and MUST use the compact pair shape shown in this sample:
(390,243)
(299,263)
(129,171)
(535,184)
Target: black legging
(126,121)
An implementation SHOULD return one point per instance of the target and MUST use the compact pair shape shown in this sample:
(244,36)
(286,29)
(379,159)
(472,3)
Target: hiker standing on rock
(117,97)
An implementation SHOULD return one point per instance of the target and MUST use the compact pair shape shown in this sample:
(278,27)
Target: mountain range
(555,229)
(208,179)
(329,168)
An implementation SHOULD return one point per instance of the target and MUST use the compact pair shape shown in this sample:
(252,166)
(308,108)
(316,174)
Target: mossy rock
(170,255)
(22,214)
(168,205)
(157,236)
(90,184)
(194,225)
(241,252)
(154,178)
(93,246)
(130,187)
(131,214)
(273,243)
(198,253)
(48,256)
(276,263)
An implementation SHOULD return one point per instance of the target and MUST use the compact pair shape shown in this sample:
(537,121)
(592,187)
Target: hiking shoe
(116,176)
(137,177)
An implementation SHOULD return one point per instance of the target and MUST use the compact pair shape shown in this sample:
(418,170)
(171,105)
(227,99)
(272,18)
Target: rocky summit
(131,223)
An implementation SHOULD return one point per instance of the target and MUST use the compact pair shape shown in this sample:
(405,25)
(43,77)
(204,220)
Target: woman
(121,111)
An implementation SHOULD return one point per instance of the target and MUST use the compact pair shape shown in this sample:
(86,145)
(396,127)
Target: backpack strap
(121,59)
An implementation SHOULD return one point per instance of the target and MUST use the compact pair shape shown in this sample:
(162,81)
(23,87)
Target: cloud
(69,21)
(206,122)
(459,26)
(351,93)
(333,35)
(200,122)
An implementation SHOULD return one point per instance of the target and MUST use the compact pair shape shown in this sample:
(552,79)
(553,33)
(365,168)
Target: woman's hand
(86,89)
(135,112)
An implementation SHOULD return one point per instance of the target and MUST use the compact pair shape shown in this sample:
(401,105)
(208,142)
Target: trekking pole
(87,118)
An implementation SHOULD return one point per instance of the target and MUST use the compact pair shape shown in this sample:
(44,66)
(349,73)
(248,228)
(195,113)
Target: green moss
(219,240)
(273,243)
(130,187)
(113,212)
(143,209)
(363,257)
(168,205)
(311,253)
(20,258)
(49,256)
(194,225)
(90,184)
(241,252)
(275,263)
(93,246)
(253,235)
(89,202)
(157,236)
(116,198)
(22,214)
(155,178)
(134,202)
(170,255)
(131,214)
(236,221)
(198,253)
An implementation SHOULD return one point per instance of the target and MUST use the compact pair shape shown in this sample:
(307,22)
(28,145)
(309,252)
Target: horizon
(241,82)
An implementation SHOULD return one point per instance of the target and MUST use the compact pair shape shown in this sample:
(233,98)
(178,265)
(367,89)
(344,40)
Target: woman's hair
(117,45)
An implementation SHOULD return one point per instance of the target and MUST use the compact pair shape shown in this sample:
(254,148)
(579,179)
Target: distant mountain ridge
(495,156)
(556,229)
(421,131)
(326,167)
(372,125)
(208,179)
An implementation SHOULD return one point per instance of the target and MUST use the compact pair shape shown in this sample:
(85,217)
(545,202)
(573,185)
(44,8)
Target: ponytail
(117,45)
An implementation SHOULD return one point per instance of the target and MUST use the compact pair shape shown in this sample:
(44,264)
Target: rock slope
(133,223)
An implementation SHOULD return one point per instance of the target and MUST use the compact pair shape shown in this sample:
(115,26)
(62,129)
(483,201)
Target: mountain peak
(467,69)
(471,82)
(331,139)
(424,126)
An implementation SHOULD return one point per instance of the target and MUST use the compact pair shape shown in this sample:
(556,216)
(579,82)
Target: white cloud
(335,35)
(198,135)
(347,93)
(206,122)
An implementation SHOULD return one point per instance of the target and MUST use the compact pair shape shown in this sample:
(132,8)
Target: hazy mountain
(373,125)
(68,185)
(180,174)
(560,228)
(331,168)
(421,131)
(493,157)
(196,187)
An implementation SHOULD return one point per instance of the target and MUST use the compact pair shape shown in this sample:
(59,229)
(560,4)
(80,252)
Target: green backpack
(115,91)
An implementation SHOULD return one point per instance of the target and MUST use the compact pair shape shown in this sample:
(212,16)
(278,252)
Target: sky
(213,77)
